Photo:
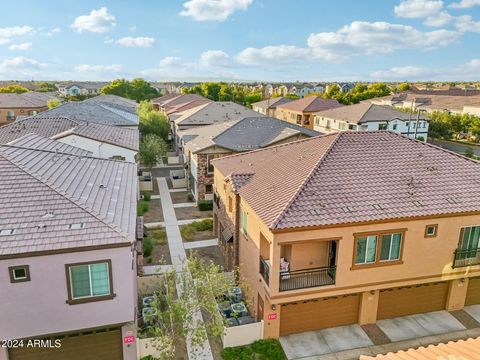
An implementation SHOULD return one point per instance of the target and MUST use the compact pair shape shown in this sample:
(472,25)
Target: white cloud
(140,41)
(365,38)
(5,41)
(215,58)
(464,4)
(21,47)
(440,19)
(8,32)
(170,61)
(268,54)
(99,21)
(53,31)
(84,68)
(20,67)
(132,28)
(213,10)
(465,23)
(418,8)
(400,73)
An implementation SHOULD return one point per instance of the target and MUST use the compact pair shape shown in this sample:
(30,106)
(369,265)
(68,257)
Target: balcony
(265,270)
(302,279)
(464,258)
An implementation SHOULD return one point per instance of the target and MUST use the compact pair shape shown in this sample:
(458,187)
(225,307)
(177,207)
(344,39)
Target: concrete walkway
(200,244)
(177,190)
(184,205)
(179,257)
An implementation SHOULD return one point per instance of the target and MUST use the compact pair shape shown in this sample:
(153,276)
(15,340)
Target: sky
(241,40)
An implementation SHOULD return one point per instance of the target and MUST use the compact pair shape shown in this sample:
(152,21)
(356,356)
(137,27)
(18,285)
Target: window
(378,248)
(89,281)
(469,242)
(382,126)
(210,157)
(208,189)
(431,230)
(10,115)
(19,273)
(407,124)
(341,126)
(395,126)
(117,157)
(76,226)
(244,221)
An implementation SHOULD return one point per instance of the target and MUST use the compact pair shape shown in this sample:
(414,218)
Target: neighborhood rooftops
(34,141)
(353,177)
(109,99)
(24,101)
(243,135)
(272,103)
(214,112)
(310,104)
(58,127)
(366,112)
(53,201)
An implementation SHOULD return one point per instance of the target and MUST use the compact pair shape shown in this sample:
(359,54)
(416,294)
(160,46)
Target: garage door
(413,299)
(473,291)
(319,314)
(99,345)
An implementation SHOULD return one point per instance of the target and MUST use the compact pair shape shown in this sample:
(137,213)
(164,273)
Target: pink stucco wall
(39,306)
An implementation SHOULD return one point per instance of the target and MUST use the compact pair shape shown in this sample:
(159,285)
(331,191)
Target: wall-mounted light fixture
(273,307)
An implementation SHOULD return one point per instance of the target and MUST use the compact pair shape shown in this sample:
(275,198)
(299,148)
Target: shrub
(142,208)
(188,232)
(237,353)
(269,349)
(148,357)
(147,246)
(205,205)
(146,196)
(190,197)
(159,235)
(203,225)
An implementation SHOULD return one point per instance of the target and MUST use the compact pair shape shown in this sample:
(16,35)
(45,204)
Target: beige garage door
(319,314)
(413,299)
(473,291)
(99,345)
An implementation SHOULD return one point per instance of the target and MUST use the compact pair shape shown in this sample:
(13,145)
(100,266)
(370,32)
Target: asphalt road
(454,146)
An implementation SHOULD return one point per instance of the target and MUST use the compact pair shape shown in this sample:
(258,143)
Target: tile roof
(352,177)
(214,112)
(94,112)
(109,99)
(43,192)
(366,112)
(311,104)
(453,350)
(20,101)
(272,103)
(176,99)
(58,127)
(33,141)
(243,135)
(185,106)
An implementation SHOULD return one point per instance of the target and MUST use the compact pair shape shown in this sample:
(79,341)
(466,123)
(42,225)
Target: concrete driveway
(326,341)
(414,326)
(473,311)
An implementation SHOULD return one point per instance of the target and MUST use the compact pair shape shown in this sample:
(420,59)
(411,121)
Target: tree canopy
(13,89)
(46,87)
(53,103)
(152,122)
(447,125)
(221,91)
(138,89)
(359,93)
(152,148)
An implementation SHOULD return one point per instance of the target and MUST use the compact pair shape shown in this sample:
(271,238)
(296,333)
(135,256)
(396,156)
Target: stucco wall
(99,149)
(17,112)
(39,306)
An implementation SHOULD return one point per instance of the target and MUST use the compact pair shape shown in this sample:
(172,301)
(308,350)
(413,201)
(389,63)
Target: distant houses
(80,88)
(26,104)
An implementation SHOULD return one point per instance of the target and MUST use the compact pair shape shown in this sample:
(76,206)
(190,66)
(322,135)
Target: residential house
(114,100)
(280,90)
(172,103)
(207,114)
(26,104)
(351,228)
(302,111)
(203,144)
(68,255)
(344,86)
(268,106)
(304,91)
(80,88)
(368,117)
(103,141)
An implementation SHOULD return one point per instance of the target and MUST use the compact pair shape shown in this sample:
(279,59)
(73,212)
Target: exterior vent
(76,226)
(418,203)
(6,232)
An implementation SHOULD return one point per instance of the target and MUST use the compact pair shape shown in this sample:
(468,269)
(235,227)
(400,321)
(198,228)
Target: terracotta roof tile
(353,177)
(310,104)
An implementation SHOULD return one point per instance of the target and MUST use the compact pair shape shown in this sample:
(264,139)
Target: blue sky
(268,40)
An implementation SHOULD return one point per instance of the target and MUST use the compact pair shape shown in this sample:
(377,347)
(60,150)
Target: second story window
(210,167)
(469,242)
(244,221)
(19,273)
(89,281)
(378,248)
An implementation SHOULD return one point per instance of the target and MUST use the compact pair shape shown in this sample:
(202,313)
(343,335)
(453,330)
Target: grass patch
(148,244)
(269,349)
(189,231)
(159,235)
(147,195)
(142,208)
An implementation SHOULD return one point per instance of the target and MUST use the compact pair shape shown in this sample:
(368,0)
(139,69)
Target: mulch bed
(209,254)
(192,213)
(160,256)
(181,197)
(155,213)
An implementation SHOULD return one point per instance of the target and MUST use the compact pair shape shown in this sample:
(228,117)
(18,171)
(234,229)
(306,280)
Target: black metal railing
(466,258)
(264,270)
(302,279)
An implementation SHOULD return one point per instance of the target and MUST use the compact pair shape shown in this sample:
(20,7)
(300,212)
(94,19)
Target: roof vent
(452,200)
(48,215)
(76,226)
(42,226)
(347,209)
(102,186)
(6,232)
(418,203)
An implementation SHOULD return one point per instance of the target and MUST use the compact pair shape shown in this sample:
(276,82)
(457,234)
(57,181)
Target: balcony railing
(264,270)
(302,279)
(466,258)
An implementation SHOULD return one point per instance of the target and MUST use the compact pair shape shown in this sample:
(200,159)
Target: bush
(142,208)
(203,225)
(147,246)
(146,196)
(148,357)
(159,235)
(237,353)
(205,205)
(269,349)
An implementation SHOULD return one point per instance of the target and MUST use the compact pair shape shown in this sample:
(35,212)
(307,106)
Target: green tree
(403,87)
(252,98)
(46,87)
(53,103)
(152,148)
(332,91)
(469,153)
(225,93)
(211,90)
(13,89)
(137,89)
(152,121)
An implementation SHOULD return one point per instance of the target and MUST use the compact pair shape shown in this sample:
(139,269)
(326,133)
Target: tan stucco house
(351,228)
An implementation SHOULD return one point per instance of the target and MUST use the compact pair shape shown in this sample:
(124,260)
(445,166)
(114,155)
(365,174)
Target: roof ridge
(365,112)
(67,196)
(309,176)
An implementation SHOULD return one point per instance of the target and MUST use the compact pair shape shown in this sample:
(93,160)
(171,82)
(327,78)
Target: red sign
(272,316)
(129,339)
